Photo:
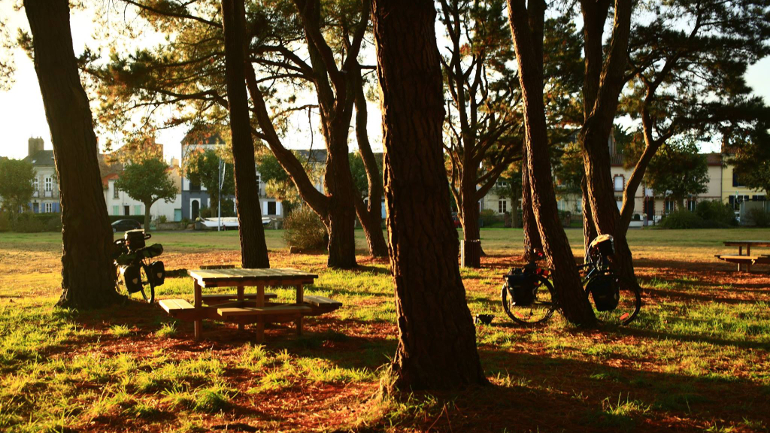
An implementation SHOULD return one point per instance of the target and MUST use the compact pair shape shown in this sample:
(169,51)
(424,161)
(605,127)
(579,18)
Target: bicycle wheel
(538,311)
(148,287)
(629,299)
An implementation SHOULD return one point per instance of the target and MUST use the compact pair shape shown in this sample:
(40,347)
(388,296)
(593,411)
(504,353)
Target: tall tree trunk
(601,89)
(589,228)
(555,244)
(532,241)
(88,273)
(252,234)
(147,217)
(437,339)
(469,216)
(342,213)
(370,215)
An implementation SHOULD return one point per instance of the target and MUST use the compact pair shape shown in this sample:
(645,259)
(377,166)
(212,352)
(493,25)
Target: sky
(22,114)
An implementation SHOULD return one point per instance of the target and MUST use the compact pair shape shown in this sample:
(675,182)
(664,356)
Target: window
(194,186)
(502,206)
(619,182)
(35,184)
(691,205)
(736,200)
(670,205)
(48,184)
(271,208)
(116,210)
(47,207)
(126,210)
(115,190)
(758,198)
(736,179)
(137,209)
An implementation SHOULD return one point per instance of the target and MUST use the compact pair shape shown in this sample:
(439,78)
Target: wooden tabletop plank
(206,276)
(747,243)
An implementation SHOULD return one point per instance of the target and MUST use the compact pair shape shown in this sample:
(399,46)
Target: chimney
(34,145)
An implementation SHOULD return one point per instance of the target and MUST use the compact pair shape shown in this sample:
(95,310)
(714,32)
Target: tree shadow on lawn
(687,297)
(695,338)
(553,394)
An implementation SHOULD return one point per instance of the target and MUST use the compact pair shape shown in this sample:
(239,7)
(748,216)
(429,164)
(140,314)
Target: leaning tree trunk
(532,240)
(252,234)
(371,215)
(437,339)
(589,228)
(555,244)
(88,273)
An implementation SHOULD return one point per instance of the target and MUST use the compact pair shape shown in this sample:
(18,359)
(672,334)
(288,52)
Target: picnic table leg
(260,319)
(240,304)
(197,304)
(300,300)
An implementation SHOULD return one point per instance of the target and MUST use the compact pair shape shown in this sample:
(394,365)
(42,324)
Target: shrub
(28,223)
(304,230)
(684,219)
(487,217)
(162,219)
(760,217)
(5,222)
(53,224)
(717,212)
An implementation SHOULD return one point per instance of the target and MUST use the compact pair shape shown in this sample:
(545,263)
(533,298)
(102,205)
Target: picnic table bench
(745,260)
(248,308)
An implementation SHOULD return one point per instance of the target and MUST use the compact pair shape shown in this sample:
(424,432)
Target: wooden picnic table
(745,260)
(243,308)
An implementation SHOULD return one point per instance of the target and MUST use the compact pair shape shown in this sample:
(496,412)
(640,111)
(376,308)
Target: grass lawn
(696,359)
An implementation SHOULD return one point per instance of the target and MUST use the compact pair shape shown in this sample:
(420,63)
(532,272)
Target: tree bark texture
(252,234)
(437,338)
(555,244)
(532,241)
(589,228)
(601,90)
(470,215)
(88,272)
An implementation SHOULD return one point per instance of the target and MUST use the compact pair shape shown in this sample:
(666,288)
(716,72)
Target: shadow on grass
(539,393)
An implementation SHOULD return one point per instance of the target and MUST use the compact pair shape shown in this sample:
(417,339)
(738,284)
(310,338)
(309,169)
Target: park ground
(695,360)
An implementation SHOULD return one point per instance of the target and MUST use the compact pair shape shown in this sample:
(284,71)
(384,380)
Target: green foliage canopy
(147,181)
(16,184)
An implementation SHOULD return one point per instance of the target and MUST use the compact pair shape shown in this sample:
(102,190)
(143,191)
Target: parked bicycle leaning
(136,273)
(528,296)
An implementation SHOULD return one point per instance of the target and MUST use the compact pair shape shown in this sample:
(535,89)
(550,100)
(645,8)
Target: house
(45,194)
(120,203)
(737,195)
(195,197)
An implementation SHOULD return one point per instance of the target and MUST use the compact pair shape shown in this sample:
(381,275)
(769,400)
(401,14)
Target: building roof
(714,158)
(42,158)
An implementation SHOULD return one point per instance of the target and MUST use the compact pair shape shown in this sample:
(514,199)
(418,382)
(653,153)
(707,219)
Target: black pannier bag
(132,277)
(604,291)
(157,273)
(605,244)
(521,287)
(134,239)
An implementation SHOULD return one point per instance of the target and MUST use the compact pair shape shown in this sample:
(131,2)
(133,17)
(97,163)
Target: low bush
(682,219)
(488,217)
(759,217)
(304,230)
(28,223)
(5,222)
(53,224)
(717,212)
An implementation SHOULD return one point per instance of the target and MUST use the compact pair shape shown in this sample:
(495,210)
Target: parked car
(125,225)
